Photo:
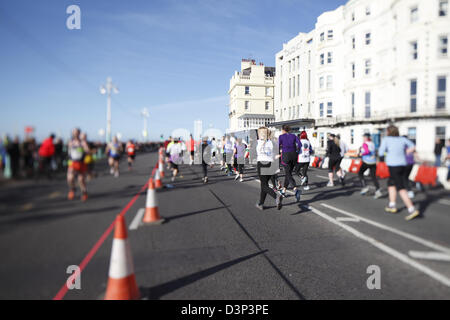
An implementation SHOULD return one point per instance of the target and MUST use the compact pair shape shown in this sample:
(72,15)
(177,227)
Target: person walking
(13,150)
(265,159)
(438,146)
(289,144)
(228,149)
(334,155)
(204,149)
(303,160)
(369,162)
(395,148)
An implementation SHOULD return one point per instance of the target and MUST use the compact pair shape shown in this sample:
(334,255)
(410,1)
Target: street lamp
(108,89)
(145,115)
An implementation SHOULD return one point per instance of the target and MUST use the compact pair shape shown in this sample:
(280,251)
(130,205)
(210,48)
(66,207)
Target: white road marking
(137,219)
(444,201)
(430,255)
(394,253)
(409,236)
(346,219)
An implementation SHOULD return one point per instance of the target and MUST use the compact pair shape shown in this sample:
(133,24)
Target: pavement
(215,244)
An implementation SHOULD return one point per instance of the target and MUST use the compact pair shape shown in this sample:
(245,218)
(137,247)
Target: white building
(366,64)
(251,97)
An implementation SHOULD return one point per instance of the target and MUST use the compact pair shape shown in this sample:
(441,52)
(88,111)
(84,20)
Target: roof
(299,123)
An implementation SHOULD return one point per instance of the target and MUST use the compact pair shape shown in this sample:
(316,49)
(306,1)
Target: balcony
(382,116)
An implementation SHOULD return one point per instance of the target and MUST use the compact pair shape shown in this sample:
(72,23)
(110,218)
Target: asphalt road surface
(216,245)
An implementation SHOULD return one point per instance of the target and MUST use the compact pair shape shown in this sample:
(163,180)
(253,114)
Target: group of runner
(80,163)
(294,157)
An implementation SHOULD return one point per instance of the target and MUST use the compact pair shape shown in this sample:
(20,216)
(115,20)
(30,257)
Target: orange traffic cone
(161,165)
(158,183)
(122,282)
(151,215)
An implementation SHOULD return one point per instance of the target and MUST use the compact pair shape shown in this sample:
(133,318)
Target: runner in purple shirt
(289,144)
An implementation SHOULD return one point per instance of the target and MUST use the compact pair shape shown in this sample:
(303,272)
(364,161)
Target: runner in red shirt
(191,148)
(131,152)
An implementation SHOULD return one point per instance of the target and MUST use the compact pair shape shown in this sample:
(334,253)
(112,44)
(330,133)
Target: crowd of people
(294,157)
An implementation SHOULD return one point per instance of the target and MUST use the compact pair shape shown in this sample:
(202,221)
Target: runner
(369,161)
(46,153)
(77,150)
(174,150)
(222,152)
(214,151)
(166,146)
(265,158)
(131,152)
(239,159)
(395,148)
(204,164)
(191,148)
(228,155)
(304,158)
(114,150)
(334,156)
(409,166)
(344,150)
(289,143)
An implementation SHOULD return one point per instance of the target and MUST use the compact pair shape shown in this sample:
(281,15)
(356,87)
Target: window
(322,36)
(440,132)
(443,8)
(367,11)
(412,134)
(322,140)
(330,57)
(353,70)
(352,136)
(246,105)
(353,42)
(290,83)
(414,50)
(414,14)
(329,109)
(267,105)
(368,64)
(329,82)
(443,46)
(321,110)
(330,35)
(367,104)
(247,90)
(321,83)
(368,38)
(413,95)
(322,58)
(353,104)
(442,87)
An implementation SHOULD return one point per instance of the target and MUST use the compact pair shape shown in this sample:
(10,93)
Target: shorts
(173,165)
(115,157)
(167,155)
(397,177)
(78,166)
(334,163)
(132,156)
(192,153)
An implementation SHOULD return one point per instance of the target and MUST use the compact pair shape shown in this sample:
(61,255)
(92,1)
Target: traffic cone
(122,281)
(151,215)
(158,183)
(161,166)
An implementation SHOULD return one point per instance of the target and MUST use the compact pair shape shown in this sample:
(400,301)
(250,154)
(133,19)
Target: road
(216,245)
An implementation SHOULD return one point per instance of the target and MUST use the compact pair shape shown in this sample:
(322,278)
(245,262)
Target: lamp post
(108,89)
(145,115)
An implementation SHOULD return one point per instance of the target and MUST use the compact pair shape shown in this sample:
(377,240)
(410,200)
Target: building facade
(365,65)
(251,97)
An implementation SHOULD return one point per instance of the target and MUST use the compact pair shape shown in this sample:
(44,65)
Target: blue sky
(174,57)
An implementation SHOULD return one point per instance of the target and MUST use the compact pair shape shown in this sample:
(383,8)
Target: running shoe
(279,200)
(237,177)
(411,194)
(111,171)
(342,180)
(71,195)
(298,193)
(413,215)
(378,194)
(116,175)
(303,181)
(84,197)
(283,193)
(364,190)
(173,179)
(390,209)
(205,180)
(259,206)
(330,184)
(306,188)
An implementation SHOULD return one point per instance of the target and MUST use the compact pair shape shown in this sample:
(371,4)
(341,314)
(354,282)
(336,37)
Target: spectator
(14,156)
(448,159)
(438,151)
(46,153)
